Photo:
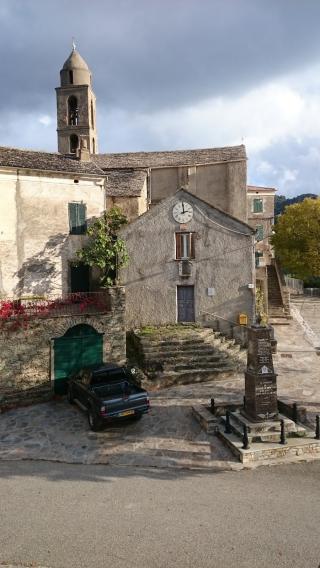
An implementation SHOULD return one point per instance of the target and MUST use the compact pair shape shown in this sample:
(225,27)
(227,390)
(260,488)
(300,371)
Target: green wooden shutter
(259,232)
(257,206)
(77,218)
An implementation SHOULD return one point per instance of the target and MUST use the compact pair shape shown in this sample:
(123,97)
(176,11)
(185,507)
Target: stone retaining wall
(26,353)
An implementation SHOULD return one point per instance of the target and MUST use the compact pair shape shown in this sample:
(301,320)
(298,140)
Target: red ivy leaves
(22,313)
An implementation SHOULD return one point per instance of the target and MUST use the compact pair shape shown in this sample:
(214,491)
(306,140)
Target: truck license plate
(126,413)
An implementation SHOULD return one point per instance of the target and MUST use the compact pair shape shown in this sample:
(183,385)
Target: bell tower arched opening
(73,111)
(74,143)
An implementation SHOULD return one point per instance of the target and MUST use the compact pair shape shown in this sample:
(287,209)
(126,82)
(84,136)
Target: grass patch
(167,330)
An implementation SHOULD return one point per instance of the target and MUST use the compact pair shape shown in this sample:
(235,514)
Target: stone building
(190,262)
(48,199)
(181,270)
(260,202)
(44,341)
(216,175)
(46,202)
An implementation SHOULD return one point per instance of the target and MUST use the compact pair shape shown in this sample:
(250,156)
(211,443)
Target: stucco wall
(35,244)
(26,353)
(164,182)
(132,207)
(223,185)
(223,261)
(265,218)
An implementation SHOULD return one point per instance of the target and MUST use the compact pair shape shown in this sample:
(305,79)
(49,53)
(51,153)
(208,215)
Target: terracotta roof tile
(46,161)
(125,182)
(172,158)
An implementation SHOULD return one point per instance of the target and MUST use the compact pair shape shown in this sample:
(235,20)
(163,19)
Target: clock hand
(183,207)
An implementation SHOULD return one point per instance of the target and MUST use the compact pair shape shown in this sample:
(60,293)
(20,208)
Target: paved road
(86,516)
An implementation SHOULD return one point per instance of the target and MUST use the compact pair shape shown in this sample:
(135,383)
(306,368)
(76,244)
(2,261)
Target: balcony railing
(52,306)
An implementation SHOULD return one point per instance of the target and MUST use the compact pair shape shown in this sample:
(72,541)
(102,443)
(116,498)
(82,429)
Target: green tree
(105,249)
(296,239)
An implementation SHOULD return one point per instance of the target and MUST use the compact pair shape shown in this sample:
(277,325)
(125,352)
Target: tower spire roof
(75,61)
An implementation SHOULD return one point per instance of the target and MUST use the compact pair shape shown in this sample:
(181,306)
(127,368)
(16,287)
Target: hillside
(281,201)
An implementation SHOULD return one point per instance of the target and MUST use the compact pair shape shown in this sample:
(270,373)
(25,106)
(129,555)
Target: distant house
(189,262)
(260,202)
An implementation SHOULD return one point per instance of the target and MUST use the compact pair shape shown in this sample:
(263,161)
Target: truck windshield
(108,376)
(114,388)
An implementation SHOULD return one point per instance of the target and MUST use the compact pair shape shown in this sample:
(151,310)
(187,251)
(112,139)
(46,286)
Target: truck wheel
(93,420)
(69,395)
(137,417)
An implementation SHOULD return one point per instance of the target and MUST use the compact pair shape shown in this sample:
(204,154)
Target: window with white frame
(257,206)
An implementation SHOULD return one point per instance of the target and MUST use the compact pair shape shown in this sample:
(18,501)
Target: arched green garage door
(80,346)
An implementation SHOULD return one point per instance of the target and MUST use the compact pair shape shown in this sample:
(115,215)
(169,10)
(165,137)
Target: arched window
(92,115)
(74,143)
(73,111)
(93,146)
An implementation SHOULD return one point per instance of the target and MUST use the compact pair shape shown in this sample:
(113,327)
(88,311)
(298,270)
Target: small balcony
(77,303)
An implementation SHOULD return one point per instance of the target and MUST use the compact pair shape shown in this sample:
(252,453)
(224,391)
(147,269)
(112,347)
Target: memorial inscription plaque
(260,378)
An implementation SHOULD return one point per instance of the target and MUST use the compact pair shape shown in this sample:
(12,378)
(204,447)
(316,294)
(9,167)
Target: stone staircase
(278,311)
(181,354)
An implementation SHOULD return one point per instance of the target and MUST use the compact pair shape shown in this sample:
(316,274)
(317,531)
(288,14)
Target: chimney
(84,154)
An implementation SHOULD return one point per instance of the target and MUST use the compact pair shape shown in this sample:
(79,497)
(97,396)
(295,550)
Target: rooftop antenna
(73,44)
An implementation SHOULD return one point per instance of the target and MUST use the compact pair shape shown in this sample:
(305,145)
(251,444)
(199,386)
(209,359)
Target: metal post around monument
(228,425)
(245,438)
(283,440)
(212,405)
(317,436)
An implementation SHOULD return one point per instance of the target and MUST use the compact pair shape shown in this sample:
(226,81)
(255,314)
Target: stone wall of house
(222,185)
(131,206)
(35,245)
(264,219)
(222,272)
(26,351)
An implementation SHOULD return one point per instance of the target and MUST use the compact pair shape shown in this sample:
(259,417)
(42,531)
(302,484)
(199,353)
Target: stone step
(268,431)
(183,350)
(193,361)
(194,376)
(171,342)
(189,355)
(225,346)
(205,365)
(184,356)
(296,449)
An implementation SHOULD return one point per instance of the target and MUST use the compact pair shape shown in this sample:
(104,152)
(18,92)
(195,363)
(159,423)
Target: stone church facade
(48,199)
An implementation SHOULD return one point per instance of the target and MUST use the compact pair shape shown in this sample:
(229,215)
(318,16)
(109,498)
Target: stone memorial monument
(260,378)
(256,431)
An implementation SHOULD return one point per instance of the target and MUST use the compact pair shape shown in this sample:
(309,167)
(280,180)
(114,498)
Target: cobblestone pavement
(169,436)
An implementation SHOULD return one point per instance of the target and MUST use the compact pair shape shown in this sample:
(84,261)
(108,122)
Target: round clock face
(182,212)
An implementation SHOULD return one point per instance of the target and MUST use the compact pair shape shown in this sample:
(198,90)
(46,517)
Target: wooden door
(185,301)
(80,278)
(81,346)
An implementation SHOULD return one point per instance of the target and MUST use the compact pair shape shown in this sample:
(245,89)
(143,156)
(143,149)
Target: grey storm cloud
(152,54)
(154,60)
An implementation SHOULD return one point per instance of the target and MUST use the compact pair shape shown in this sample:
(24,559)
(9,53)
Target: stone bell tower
(76,107)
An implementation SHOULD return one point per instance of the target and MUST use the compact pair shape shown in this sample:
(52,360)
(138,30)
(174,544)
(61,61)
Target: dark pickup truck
(106,393)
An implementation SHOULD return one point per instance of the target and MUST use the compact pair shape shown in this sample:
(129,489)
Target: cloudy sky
(174,74)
